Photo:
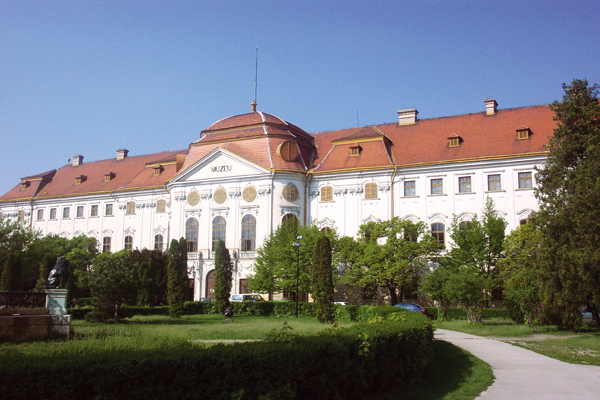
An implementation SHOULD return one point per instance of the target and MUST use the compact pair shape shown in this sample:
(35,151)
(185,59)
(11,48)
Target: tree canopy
(223,277)
(569,196)
(391,254)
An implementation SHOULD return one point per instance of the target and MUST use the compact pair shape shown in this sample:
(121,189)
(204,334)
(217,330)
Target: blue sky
(91,77)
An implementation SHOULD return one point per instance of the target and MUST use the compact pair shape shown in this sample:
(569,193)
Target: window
(218,231)
(523,133)
(524,221)
(108,210)
(79,212)
(464,184)
(437,186)
(158,242)
(94,210)
(355,151)
(454,141)
(525,180)
(437,231)
(371,190)
(410,234)
(494,182)
(66,212)
(248,233)
(160,206)
(288,151)
(191,235)
(130,209)
(128,242)
(410,188)
(220,196)
(53,213)
(249,194)
(290,193)
(21,215)
(40,215)
(106,245)
(326,193)
(289,218)
(465,226)
(244,286)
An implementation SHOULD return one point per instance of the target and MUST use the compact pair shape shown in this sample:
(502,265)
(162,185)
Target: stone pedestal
(56,301)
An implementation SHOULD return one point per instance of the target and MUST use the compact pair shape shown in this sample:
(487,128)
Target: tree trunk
(393,294)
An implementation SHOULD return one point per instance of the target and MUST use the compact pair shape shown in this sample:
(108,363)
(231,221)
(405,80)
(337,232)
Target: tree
(521,275)
(177,273)
(477,247)
(145,297)
(223,276)
(391,254)
(435,285)
(10,273)
(276,261)
(45,269)
(113,281)
(156,283)
(15,238)
(322,279)
(569,194)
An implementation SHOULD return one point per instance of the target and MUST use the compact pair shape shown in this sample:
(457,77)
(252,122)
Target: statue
(59,274)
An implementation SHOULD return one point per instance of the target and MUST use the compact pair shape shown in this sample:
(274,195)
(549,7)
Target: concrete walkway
(523,374)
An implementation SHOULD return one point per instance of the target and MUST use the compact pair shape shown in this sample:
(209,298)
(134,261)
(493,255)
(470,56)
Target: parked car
(206,299)
(411,307)
(246,297)
(586,315)
(341,303)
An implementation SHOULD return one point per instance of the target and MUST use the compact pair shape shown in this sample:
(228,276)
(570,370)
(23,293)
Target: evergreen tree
(322,279)
(569,196)
(9,280)
(223,271)
(45,269)
(177,277)
(146,288)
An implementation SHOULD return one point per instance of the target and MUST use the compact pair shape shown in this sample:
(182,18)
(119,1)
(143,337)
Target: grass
(456,373)
(581,347)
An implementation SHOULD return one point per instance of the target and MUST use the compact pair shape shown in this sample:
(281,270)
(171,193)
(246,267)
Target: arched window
(160,206)
(218,231)
(130,208)
(289,218)
(191,235)
(158,242)
(371,190)
(524,221)
(128,242)
(21,215)
(326,193)
(437,231)
(248,233)
(106,245)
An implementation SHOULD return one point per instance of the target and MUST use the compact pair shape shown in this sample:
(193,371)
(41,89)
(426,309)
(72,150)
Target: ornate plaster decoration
(64,235)
(339,192)
(129,231)
(411,217)
(219,211)
(77,233)
(437,217)
(159,230)
(325,223)
(371,218)
(249,210)
(384,188)
(107,232)
(195,213)
(313,192)
(290,210)
(264,192)
(465,216)
(93,234)
(524,213)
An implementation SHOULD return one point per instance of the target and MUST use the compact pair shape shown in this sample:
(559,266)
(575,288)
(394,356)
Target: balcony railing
(22,300)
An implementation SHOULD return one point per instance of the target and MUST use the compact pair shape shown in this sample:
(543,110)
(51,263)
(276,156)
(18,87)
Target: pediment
(217,165)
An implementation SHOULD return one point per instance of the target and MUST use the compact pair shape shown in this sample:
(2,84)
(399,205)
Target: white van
(246,297)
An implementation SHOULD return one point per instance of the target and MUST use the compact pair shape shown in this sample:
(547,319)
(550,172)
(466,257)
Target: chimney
(121,154)
(407,116)
(490,106)
(77,160)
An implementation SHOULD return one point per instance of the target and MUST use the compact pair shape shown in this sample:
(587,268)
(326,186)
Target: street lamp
(298,244)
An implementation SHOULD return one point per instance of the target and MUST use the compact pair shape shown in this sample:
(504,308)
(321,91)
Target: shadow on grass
(452,374)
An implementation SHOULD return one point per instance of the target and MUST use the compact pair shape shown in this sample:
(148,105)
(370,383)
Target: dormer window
(158,169)
(523,132)
(25,185)
(110,176)
(355,150)
(79,179)
(454,141)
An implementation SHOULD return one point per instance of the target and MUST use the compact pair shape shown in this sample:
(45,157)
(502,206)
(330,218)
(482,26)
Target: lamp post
(298,244)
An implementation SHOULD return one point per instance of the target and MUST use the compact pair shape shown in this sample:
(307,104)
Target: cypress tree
(223,270)
(322,279)
(177,277)
(10,278)
(45,269)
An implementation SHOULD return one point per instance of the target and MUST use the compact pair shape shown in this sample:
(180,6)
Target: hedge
(460,313)
(340,363)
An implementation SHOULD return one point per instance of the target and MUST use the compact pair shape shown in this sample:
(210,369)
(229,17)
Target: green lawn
(456,373)
(581,347)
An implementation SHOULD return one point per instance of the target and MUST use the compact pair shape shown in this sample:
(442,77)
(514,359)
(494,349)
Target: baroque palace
(248,173)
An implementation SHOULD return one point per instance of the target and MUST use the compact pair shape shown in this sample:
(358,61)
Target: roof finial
(253,104)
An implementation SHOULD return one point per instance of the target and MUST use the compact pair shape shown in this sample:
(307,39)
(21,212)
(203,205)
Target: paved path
(523,374)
